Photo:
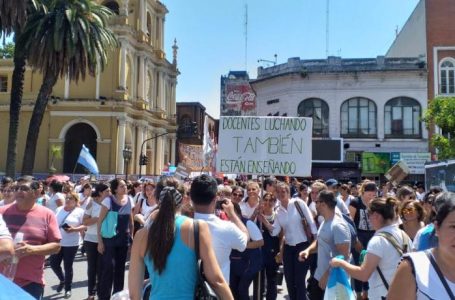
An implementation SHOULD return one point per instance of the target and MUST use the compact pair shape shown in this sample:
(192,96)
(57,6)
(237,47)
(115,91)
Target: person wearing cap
(358,209)
(172,262)
(332,185)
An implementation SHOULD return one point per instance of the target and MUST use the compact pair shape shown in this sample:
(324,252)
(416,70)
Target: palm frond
(71,38)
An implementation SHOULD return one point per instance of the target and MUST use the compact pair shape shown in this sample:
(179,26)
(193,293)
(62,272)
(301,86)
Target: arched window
(112,5)
(447,76)
(358,118)
(402,118)
(319,111)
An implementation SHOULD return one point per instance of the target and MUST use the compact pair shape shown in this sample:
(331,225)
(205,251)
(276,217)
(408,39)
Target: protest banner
(265,146)
(397,172)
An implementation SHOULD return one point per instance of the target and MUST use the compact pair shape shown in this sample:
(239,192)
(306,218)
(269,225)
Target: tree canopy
(441,112)
(7,50)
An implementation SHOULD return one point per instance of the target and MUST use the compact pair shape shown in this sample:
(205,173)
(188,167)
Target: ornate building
(131,101)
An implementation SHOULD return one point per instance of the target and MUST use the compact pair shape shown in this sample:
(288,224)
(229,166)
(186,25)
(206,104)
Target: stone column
(161,33)
(159,154)
(66,94)
(122,82)
(173,149)
(121,145)
(97,89)
(124,8)
(141,79)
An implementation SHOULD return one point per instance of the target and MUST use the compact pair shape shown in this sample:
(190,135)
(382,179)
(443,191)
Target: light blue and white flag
(87,160)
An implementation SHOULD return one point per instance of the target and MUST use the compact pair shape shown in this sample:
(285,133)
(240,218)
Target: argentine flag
(87,160)
(338,285)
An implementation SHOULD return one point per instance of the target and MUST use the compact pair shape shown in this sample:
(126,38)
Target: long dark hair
(161,234)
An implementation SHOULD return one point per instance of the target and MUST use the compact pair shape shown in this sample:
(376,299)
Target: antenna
(327,28)
(269,62)
(246,36)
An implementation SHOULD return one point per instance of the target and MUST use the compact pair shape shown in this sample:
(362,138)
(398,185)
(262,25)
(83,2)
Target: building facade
(373,105)
(131,101)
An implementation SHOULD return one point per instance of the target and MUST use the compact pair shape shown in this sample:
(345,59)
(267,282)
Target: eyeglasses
(237,194)
(408,210)
(7,191)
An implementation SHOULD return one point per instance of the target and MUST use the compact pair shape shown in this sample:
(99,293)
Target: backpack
(403,249)
(352,230)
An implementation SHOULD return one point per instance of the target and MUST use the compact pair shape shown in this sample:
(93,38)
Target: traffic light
(143,160)
(194,128)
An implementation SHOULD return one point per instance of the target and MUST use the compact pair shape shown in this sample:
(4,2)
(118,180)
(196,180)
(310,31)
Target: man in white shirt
(226,235)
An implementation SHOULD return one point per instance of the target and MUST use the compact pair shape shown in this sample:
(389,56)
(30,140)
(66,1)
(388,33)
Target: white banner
(265,146)
(416,161)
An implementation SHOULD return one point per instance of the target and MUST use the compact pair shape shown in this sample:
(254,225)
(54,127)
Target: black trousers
(112,271)
(295,271)
(67,254)
(93,266)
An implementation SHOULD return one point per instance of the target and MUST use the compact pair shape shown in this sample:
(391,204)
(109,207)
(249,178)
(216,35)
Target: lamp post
(142,150)
(127,153)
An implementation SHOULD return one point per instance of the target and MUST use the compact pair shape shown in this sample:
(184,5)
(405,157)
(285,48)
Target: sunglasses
(237,194)
(408,210)
(23,188)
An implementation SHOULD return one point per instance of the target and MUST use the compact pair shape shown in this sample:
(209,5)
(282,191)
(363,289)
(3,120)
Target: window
(112,5)
(402,118)
(358,118)
(447,77)
(319,111)
(3,83)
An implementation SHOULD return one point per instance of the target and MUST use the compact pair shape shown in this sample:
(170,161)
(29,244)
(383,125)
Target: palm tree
(13,15)
(71,39)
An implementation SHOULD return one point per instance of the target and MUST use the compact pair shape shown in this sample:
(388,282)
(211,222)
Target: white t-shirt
(247,210)
(84,201)
(225,237)
(389,260)
(4,232)
(91,235)
(254,231)
(51,204)
(73,218)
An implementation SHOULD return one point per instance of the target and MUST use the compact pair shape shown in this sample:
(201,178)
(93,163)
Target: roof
(334,64)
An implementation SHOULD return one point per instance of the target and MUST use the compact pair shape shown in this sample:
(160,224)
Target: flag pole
(74,171)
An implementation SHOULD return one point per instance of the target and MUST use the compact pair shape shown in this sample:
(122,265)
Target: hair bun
(391,201)
(171,193)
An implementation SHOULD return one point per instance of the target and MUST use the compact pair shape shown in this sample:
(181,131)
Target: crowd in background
(242,230)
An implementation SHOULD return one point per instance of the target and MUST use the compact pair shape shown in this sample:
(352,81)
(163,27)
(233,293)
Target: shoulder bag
(306,226)
(203,290)
(109,225)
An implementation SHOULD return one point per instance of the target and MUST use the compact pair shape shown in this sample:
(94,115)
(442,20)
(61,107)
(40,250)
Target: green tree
(13,15)
(441,112)
(71,39)
(7,51)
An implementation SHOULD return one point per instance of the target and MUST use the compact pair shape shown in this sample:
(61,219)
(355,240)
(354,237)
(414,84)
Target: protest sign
(265,146)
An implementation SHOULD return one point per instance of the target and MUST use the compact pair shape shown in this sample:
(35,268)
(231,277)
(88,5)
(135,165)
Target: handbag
(306,226)
(203,290)
(109,224)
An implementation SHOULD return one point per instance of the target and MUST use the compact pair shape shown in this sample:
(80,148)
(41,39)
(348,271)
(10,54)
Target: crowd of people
(393,242)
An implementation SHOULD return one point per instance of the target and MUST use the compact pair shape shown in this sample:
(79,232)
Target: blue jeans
(34,289)
(295,271)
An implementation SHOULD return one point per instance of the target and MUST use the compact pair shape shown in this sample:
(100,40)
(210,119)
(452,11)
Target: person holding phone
(70,218)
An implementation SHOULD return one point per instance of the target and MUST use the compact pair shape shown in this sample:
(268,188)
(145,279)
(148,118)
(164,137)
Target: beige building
(132,100)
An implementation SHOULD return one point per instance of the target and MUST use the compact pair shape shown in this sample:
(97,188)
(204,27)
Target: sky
(211,36)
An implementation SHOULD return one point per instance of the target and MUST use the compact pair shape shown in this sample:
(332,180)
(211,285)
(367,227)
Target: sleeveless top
(362,223)
(179,277)
(428,283)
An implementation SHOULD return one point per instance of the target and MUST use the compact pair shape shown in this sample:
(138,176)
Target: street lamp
(127,153)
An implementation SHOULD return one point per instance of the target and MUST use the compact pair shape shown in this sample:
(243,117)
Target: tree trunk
(49,81)
(17,88)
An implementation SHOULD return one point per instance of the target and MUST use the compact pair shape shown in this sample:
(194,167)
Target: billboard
(265,146)
(191,157)
(237,96)
(375,162)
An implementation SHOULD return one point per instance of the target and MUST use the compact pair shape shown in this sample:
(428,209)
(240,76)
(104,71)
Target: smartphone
(65,226)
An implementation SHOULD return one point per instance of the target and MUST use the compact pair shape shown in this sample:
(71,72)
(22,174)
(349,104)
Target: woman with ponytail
(384,250)
(165,246)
